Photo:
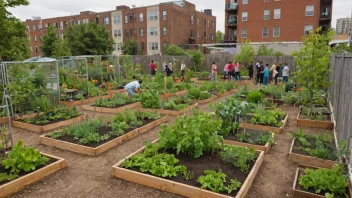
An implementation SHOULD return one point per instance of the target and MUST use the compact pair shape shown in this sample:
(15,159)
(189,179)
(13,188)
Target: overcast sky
(53,8)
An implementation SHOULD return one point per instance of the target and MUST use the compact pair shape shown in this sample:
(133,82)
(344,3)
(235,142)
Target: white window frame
(267,32)
(40,26)
(164,31)
(197,20)
(153,31)
(164,15)
(85,21)
(306,32)
(244,16)
(114,18)
(309,9)
(153,15)
(277,13)
(274,32)
(35,38)
(192,19)
(78,21)
(34,27)
(141,30)
(198,34)
(61,25)
(106,21)
(242,30)
(126,19)
(267,14)
(115,33)
(244,2)
(153,46)
(141,17)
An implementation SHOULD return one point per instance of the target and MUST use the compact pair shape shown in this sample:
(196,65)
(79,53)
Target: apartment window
(212,37)
(244,33)
(142,46)
(244,1)
(41,37)
(65,24)
(277,13)
(208,23)
(118,46)
(72,22)
(114,19)
(164,15)
(127,33)
(153,15)
(266,0)
(153,31)
(266,14)
(244,16)
(153,46)
(35,38)
(213,23)
(36,50)
(131,32)
(85,21)
(265,32)
(141,32)
(307,29)
(40,27)
(34,27)
(141,17)
(191,19)
(165,31)
(27,28)
(134,32)
(197,20)
(310,10)
(119,33)
(115,33)
(78,21)
(126,19)
(276,32)
(131,17)
(55,25)
(165,44)
(61,25)
(198,34)
(29,38)
(205,35)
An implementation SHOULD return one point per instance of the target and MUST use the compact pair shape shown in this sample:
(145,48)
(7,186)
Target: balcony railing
(231,22)
(231,6)
(230,39)
(325,15)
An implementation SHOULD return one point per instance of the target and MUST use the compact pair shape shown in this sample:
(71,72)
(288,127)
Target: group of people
(263,72)
(168,68)
(232,70)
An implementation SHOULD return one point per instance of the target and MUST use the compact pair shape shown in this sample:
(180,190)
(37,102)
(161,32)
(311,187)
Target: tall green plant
(312,62)
(197,57)
(246,54)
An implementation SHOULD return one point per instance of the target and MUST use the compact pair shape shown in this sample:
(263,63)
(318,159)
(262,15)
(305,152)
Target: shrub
(255,97)
(203,75)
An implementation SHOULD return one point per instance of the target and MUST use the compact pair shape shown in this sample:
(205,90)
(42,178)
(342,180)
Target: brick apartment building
(274,20)
(343,26)
(152,26)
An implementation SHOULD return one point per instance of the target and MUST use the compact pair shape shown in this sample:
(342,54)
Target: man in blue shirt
(266,75)
(132,87)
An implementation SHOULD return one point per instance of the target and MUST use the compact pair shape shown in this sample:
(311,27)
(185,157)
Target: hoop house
(32,86)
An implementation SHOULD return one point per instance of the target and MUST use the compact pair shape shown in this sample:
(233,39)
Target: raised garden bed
(300,192)
(254,137)
(170,112)
(80,102)
(226,93)
(186,188)
(303,120)
(266,128)
(206,100)
(110,110)
(20,183)
(112,92)
(168,95)
(98,148)
(50,125)
(300,155)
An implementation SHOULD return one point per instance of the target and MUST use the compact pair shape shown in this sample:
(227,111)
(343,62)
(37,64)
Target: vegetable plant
(240,157)
(255,97)
(150,100)
(63,113)
(196,94)
(216,182)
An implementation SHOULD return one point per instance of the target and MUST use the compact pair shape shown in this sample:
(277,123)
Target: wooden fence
(340,94)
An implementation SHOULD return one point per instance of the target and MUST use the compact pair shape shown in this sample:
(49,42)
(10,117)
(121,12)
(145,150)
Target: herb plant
(63,113)
(240,157)
(255,97)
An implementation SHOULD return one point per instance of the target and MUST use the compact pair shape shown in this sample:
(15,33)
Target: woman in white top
(183,68)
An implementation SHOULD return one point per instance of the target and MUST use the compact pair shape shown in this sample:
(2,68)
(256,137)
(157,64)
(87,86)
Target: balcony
(232,22)
(231,7)
(325,16)
(230,39)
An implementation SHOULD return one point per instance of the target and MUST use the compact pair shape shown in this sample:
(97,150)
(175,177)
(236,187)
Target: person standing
(132,87)
(266,75)
(261,72)
(226,72)
(214,70)
(250,70)
(257,66)
(183,69)
(237,70)
(285,73)
(275,75)
(271,70)
(152,69)
(230,69)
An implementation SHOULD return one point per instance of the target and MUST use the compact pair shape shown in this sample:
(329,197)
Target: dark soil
(102,131)
(254,136)
(21,174)
(248,121)
(207,162)
(326,117)
(311,190)
(298,148)
(50,122)
(115,107)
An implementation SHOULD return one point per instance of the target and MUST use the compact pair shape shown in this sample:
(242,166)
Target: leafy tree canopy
(265,50)
(246,54)
(197,57)
(174,50)
(130,47)
(48,41)
(218,36)
(89,39)
(342,48)
(61,48)
(13,42)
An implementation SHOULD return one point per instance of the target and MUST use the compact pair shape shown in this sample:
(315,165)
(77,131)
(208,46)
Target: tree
(174,50)
(48,41)
(61,48)
(14,41)
(130,47)
(246,54)
(312,62)
(197,57)
(265,50)
(89,39)
(219,36)
(342,48)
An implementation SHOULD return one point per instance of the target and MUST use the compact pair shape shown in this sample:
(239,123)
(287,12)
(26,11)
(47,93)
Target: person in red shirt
(230,69)
(237,70)
(152,69)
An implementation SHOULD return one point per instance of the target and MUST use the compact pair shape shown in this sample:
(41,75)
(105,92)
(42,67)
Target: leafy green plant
(115,101)
(4,177)
(21,159)
(216,182)
(267,117)
(150,100)
(244,137)
(240,157)
(63,113)
(203,75)
(343,149)
(192,135)
(255,97)
(266,138)
(333,181)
